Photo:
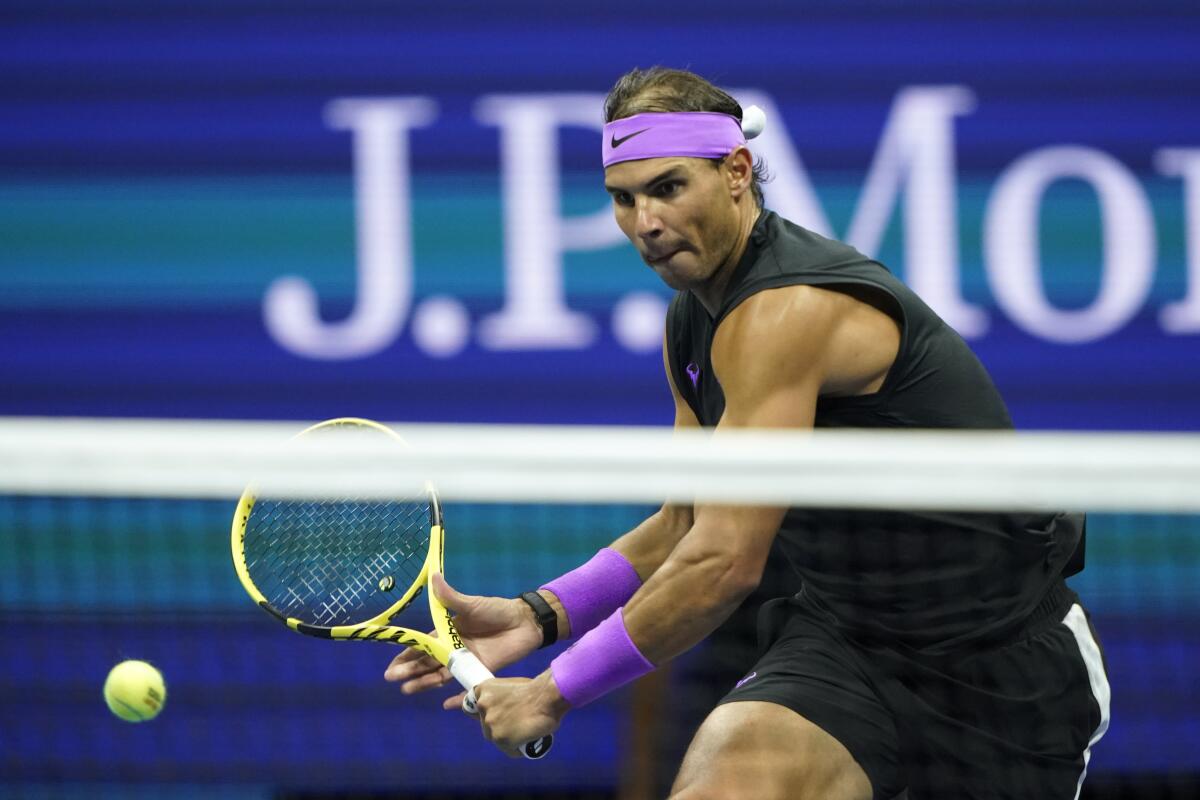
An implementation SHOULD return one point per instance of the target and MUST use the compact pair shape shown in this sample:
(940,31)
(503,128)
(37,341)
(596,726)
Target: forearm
(708,573)
(648,546)
(685,601)
(643,549)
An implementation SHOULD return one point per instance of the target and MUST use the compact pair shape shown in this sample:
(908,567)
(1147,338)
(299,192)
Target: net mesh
(89,579)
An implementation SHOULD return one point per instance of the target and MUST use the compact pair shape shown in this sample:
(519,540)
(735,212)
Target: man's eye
(668,188)
(623,199)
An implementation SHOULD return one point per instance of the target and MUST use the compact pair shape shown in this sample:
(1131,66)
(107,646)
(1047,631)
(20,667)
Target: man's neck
(712,293)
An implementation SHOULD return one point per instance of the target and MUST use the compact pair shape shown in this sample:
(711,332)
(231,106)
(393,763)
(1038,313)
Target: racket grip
(469,671)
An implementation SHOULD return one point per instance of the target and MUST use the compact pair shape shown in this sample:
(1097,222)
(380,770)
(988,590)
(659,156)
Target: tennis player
(937,653)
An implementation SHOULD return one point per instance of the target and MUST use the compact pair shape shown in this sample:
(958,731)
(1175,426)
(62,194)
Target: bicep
(769,381)
(772,355)
(771,378)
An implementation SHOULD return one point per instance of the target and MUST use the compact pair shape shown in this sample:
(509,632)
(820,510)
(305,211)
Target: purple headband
(692,134)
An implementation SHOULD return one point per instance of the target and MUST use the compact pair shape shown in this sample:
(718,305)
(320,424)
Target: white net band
(947,470)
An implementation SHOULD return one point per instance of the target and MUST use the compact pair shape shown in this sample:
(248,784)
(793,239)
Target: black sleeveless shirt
(927,580)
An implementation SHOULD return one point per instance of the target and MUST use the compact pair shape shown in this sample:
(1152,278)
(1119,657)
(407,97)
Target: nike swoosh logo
(615,142)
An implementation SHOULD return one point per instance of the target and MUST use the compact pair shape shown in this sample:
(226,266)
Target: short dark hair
(662,89)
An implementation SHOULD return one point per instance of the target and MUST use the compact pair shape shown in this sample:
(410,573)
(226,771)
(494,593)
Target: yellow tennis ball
(135,691)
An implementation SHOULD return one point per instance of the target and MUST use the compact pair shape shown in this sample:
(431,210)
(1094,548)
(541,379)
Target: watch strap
(545,617)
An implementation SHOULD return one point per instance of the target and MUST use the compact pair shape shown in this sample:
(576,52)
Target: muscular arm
(773,356)
(649,544)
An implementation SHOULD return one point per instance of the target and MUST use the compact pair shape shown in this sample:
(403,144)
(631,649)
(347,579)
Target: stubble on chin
(669,278)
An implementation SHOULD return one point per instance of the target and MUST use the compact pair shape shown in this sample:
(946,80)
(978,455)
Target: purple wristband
(593,591)
(602,660)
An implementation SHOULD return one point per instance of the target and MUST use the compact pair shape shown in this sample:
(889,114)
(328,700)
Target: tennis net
(114,543)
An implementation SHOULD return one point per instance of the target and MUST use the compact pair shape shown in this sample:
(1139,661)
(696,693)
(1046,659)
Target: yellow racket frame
(445,647)
(377,628)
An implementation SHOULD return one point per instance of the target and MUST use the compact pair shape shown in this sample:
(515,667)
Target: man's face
(679,214)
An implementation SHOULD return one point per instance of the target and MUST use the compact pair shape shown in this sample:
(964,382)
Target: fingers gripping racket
(332,568)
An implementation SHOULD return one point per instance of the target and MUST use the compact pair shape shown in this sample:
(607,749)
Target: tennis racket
(344,568)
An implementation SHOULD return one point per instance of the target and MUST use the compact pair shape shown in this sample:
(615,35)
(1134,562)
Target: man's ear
(739,170)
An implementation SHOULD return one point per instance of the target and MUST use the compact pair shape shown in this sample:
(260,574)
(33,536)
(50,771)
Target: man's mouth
(660,259)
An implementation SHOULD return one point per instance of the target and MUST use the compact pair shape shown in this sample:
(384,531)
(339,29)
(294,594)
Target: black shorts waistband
(1050,611)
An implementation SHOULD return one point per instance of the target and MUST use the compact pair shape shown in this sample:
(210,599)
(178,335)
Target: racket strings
(335,562)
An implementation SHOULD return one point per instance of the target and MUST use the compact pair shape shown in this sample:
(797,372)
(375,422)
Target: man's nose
(649,226)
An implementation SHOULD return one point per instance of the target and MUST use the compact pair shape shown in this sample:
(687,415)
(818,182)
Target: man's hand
(513,711)
(497,630)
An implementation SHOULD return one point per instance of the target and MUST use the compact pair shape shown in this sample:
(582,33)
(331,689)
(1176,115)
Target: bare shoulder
(844,340)
(772,310)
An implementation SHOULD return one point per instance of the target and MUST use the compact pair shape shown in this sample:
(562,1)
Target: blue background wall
(163,164)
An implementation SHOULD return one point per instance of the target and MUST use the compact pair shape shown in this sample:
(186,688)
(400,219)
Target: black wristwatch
(545,617)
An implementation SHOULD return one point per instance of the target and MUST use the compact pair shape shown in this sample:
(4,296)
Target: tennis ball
(135,691)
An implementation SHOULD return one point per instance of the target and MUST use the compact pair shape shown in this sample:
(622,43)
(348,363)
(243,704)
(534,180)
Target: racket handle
(470,672)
